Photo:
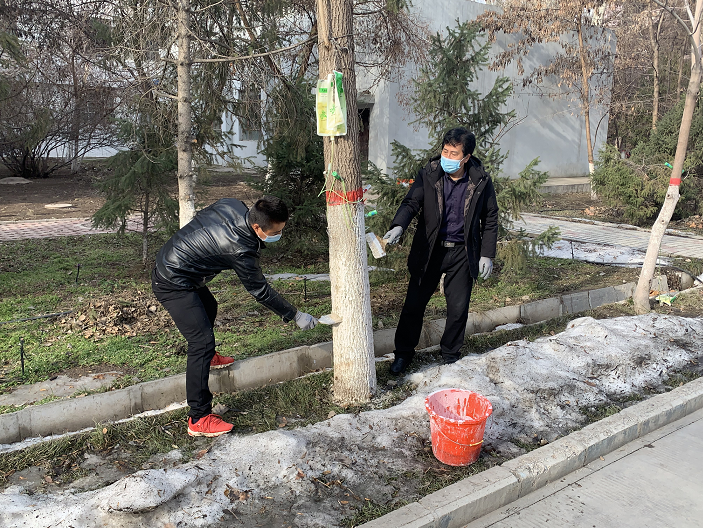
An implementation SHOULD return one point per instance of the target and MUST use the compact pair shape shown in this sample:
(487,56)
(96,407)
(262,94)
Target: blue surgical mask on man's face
(450,166)
(274,238)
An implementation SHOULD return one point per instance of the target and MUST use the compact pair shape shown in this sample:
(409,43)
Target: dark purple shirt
(452,228)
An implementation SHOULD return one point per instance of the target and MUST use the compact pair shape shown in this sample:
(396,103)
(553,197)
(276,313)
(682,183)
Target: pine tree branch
(246,57)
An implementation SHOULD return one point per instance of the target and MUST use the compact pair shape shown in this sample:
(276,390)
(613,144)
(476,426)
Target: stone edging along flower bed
(74,414)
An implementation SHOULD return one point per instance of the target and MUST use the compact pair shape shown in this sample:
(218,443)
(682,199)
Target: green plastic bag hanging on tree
(331,106)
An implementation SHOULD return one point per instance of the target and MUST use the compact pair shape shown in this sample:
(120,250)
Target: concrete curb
(472,498)
(74,414)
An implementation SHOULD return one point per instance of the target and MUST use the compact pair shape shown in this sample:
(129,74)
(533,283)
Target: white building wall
(552,129)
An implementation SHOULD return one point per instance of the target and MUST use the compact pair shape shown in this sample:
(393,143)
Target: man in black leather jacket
(457,231)
(225,235)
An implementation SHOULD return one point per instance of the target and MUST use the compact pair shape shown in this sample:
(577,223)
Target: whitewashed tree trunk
(641,295)
(186,177)
(354,365)
(586,98)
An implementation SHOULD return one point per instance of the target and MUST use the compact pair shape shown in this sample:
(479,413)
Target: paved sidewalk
(653,482)
(54,228)
(613,234)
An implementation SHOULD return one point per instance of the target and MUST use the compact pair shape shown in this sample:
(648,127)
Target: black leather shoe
(399,365)
(449,361)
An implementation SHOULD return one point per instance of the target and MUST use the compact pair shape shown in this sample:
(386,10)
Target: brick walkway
(53,228)
(613,234)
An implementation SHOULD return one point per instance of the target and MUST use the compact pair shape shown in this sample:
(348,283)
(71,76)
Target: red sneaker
(219,361)
(210,425)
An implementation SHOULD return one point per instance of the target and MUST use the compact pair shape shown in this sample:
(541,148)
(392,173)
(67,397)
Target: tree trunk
(586,98)
(145,228)
(679,83)
(74,143)
(186,178)
(641,296)
(654,40)
(354,365)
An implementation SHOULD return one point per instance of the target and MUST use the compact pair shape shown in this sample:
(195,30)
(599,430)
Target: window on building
(250,118)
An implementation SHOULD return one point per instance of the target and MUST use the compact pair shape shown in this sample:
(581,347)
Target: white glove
(393,235)
(485,267)
(305,321)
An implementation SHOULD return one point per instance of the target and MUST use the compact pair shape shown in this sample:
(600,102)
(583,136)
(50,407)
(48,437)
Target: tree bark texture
(354,364)
(186,177)
(586,98)
(145,228)
(654,34)
(641,295)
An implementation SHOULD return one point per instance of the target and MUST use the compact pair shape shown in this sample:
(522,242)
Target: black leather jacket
(425,199)
(216,239)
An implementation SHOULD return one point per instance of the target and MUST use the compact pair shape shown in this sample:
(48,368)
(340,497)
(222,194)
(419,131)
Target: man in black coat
(457,231)
(225,235)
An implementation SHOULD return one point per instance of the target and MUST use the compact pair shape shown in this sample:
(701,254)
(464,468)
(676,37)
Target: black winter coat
(426,199)
(216,239)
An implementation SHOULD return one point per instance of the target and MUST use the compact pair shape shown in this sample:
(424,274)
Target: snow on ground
(598,253)
(274,478)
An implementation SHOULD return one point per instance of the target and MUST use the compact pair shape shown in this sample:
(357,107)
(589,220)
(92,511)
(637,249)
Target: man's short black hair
(267,211)
(460,137)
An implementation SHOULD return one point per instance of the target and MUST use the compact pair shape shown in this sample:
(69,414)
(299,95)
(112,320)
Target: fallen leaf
(104,430)
(200,454)
(299,475)
(331,414)
(343,502)
(48,479)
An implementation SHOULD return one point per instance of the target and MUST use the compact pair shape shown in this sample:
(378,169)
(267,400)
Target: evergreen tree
(638,185)
(444,98)
(137,184)
(295,164)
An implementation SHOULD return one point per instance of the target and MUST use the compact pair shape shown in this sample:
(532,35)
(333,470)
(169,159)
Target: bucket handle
(457,443)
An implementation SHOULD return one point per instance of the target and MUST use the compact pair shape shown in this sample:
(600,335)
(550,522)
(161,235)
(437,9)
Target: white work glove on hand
(305,321)
(485,267)
(393,235)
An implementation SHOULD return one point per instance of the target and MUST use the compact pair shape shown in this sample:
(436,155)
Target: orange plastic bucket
(457,422)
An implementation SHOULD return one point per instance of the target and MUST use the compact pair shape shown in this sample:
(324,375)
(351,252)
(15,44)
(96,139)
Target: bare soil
(23,202)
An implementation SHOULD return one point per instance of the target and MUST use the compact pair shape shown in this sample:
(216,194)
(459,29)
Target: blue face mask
(450,166)
(274,238)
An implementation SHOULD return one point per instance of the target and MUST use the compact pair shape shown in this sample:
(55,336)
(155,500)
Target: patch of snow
(508,326)
(598,253)
(318,277)
(14,180)
(536,389)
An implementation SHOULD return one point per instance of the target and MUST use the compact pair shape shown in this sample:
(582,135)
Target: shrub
(638,185)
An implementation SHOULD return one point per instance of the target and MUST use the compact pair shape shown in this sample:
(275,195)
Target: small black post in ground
(22,354)
(78,273)
(305,288)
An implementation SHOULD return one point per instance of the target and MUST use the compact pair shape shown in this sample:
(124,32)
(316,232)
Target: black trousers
(194,313)
(457,290)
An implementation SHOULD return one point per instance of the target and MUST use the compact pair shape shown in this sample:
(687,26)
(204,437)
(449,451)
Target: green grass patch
(39,277)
